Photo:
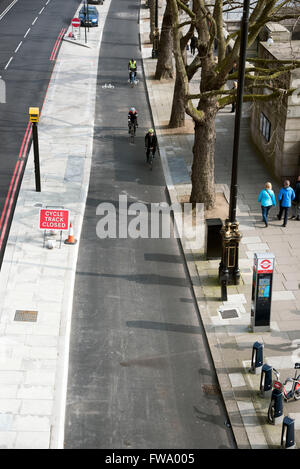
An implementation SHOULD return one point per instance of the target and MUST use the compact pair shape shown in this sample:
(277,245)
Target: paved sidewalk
(34,354)
(231,340)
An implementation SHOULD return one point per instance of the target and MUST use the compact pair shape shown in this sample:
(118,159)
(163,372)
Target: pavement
(34,352)
(231,340)
(34,345)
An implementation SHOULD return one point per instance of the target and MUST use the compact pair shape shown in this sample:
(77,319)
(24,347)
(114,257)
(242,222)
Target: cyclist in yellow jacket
(132,67)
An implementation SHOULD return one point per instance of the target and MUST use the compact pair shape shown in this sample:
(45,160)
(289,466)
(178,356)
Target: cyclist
(132,67)
(150,143)
(132,118)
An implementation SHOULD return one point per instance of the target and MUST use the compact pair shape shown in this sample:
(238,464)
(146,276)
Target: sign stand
(52,220)
(50,234)
(76,28)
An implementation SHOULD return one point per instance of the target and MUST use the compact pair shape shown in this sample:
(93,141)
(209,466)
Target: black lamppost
(229,272)
(155,33)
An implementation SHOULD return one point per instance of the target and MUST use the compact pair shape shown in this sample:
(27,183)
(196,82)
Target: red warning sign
(54,219)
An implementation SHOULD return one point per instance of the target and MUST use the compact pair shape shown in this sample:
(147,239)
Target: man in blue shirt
(285,197)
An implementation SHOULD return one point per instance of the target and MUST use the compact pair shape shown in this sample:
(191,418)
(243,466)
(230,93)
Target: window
(265,127)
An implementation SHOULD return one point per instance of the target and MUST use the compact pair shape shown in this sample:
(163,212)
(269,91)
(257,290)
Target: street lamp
(155,33)
(229,272)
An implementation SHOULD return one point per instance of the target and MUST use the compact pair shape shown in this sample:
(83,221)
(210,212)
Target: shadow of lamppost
(229,272)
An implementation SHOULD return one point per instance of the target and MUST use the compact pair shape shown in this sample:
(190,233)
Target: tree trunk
(177,118)
(203,181)
(152,20)
(164,66)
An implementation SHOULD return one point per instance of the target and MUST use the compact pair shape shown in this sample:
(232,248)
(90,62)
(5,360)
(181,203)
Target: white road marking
(27,32)
(34,21)
(8,63)
(40,12)
(18,47)
(7,9)
(47,2)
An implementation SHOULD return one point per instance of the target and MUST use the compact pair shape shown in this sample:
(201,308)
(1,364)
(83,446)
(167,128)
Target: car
(89,16)
(96,2)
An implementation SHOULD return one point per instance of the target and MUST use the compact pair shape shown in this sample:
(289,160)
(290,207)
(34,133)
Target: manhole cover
(211,389)
(28,316)
(229,313)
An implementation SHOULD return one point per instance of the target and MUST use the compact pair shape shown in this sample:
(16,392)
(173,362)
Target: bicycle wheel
(151,161)
(297,395)
(132,132)
(271,412)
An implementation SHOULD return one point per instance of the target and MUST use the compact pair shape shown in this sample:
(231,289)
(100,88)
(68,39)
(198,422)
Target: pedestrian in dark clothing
(296,201)
(266,199)
(193,44)
(234,68)
(285,197)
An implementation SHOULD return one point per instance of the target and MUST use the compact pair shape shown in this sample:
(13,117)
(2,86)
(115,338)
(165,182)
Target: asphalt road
(29,44)
(140,371)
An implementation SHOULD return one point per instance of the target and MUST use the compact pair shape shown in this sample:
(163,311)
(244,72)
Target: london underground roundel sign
(265,266)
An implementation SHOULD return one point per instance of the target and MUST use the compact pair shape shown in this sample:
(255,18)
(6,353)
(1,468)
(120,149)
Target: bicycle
(132,80)
(150,158)
(294,392)
(132,130)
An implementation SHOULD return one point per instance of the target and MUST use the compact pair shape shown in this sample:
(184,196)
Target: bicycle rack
(277,398)
(265,386)
(288,433)
(257,358)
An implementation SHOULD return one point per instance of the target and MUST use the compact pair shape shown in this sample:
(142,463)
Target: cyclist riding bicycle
(150,143)
(132,67)
(132,118)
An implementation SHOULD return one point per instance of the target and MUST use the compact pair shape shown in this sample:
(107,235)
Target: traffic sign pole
(76,26)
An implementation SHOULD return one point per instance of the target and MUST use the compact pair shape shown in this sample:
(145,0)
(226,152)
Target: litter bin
(213,238)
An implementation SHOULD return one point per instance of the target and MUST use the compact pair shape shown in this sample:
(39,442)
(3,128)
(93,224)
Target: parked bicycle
(291,392)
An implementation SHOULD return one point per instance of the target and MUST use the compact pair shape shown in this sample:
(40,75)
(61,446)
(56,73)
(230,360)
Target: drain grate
(229,313)
(27,316)
(211,389)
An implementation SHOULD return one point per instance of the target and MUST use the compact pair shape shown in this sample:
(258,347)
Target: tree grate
(26,316)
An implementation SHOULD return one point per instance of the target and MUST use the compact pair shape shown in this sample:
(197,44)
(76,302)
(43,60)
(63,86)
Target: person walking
(296,201)
(193,43)
(285,197)
(233,104)
(266,199)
